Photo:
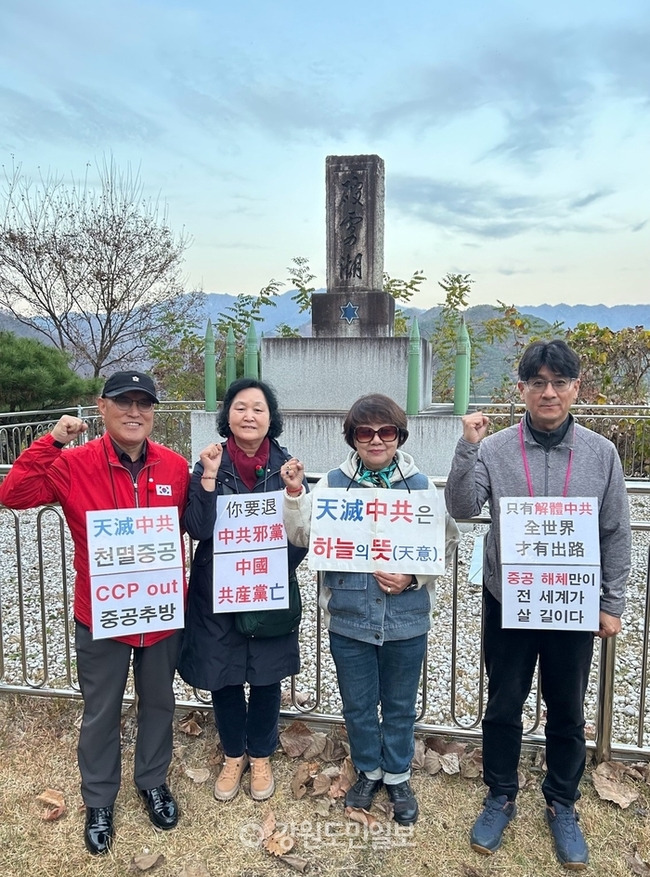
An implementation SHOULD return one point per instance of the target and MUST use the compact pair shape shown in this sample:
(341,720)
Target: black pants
(510,658)
(103,667)
(248,727)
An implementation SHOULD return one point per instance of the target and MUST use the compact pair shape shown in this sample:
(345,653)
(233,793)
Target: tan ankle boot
(229,779)
(262,782)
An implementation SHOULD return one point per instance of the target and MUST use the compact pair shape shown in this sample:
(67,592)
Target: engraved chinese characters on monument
(355,304)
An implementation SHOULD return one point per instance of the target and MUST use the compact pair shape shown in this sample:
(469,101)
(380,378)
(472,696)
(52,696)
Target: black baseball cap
(122,382)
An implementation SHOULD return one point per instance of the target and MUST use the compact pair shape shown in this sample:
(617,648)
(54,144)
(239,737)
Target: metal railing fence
(37,641)
(19,429)
(627,426)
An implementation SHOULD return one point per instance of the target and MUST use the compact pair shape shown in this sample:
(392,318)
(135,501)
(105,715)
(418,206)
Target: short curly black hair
(375,408)
(276,423)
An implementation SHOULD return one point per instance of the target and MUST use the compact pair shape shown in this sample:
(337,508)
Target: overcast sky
(516,135)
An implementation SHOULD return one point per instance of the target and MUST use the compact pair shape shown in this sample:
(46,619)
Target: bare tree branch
(94,269)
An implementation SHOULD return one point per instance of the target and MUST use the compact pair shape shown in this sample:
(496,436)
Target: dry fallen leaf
(51,798)
(636,864)
(321,785)
(417,762)
(635,772)
(539,760)
(215,757)
(198,774)
(54,804)
(268,825)
(348,771)
(468,871)
(339,786)
(432,763)
(450,763)
(279,844)
(296,862)
(146,861)
(385,807)
(471,764)
(644,770)
(523,781)
(299,781)
(610,790)
(317,745)
(611,770)
(191,724)
(336,748)
(445,747)
(295,739)
(322,807)
(361,816)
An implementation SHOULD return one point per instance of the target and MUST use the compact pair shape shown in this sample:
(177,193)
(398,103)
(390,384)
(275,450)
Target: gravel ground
(27,656)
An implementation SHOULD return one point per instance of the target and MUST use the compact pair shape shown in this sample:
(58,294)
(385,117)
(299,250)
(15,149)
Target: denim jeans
(564,662)
(385,676)
(247,727)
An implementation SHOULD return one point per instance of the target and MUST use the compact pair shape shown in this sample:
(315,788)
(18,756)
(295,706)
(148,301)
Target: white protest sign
(550,556)
(251,568)
(136,571)
(378,529)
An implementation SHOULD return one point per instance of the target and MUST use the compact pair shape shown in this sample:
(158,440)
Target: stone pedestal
(316,438)
(352,315)
(325,374)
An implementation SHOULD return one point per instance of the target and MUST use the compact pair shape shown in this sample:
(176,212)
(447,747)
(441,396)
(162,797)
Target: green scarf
(378,477)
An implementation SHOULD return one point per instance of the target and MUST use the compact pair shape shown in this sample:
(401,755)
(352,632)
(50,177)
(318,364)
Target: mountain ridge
(286,311)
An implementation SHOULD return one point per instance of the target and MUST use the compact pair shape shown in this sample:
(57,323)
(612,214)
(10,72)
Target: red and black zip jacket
(91,478)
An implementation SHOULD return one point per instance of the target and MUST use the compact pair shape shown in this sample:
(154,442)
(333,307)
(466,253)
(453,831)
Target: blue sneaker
(487,833)
(570,845)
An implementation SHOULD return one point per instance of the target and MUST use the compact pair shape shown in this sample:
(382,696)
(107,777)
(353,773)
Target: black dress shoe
(162,808)
(98,833)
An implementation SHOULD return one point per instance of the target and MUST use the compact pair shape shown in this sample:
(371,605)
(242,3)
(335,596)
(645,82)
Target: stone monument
(355,305)
(353,349)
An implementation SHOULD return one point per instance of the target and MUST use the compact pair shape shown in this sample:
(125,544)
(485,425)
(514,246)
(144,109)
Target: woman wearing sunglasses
(377,622)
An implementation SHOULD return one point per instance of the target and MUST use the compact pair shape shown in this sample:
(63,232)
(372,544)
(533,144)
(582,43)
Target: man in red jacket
(121,470)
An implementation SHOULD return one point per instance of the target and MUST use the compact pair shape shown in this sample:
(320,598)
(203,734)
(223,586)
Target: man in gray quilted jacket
(547,454)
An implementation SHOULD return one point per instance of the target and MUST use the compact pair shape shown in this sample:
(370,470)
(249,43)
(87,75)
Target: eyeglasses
(365,434)
(538,385)
(124,403)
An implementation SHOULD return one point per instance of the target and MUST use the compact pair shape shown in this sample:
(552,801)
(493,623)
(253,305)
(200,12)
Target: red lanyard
(529,479)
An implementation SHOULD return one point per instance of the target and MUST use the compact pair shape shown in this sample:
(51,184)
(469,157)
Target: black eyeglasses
(366,434)
(125,402)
